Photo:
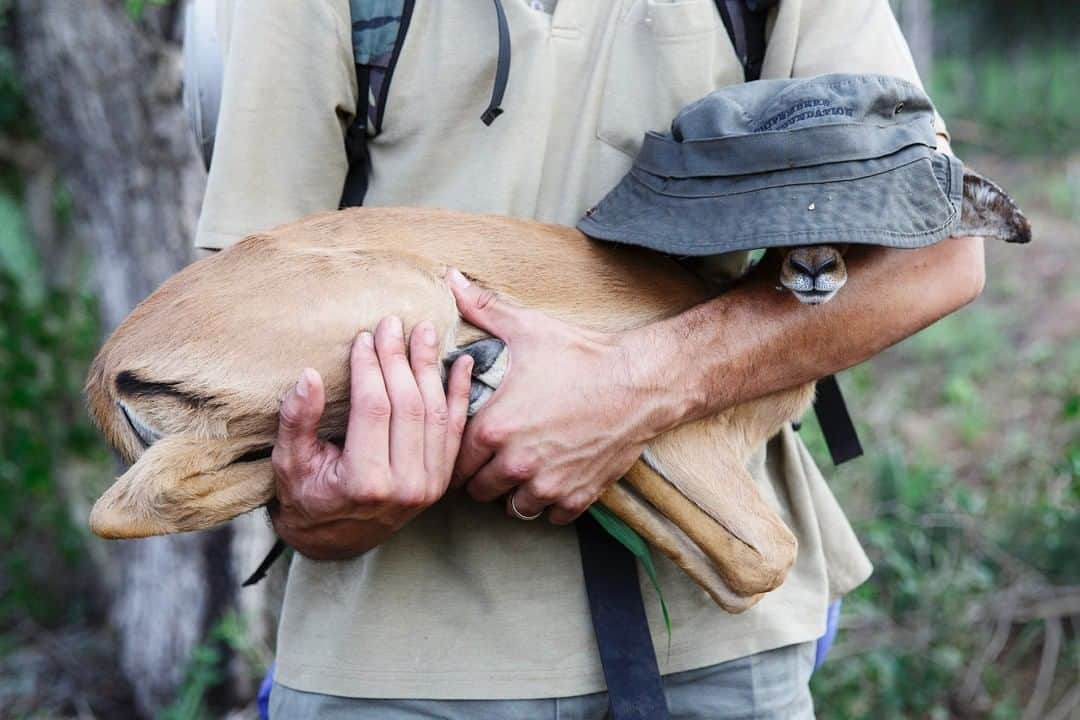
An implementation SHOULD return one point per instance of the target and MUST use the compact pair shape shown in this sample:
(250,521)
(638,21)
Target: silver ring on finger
(517,513)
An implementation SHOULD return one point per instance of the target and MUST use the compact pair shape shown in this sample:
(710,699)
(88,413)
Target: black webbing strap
(356,180)
(635,690)
(744,21)
(836,425)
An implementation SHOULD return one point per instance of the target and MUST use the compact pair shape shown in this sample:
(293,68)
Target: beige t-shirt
(465,602)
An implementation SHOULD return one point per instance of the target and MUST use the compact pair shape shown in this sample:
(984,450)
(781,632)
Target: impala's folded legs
(708,549)
(490,361)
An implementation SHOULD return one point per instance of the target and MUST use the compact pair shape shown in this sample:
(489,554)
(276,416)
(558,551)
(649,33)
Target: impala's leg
(748,544)
(703,464)
(669,538)
(490,361)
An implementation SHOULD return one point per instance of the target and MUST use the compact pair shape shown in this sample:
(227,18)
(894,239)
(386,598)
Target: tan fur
(200,367)
(225,338)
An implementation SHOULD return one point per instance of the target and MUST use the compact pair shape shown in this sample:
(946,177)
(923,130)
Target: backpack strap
(745,21)
(378,33)
(835,421)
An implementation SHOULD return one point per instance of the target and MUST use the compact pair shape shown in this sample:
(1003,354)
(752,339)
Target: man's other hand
(568,419)
(403,435)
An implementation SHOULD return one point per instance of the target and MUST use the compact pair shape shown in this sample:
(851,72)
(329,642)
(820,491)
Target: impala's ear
(182,483)
(990,212)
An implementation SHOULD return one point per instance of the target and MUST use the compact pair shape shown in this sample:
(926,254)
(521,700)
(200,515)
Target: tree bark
(917,21)
(106,93)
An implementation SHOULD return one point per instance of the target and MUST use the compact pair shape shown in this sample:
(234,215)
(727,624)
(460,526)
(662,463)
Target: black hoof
(485,354)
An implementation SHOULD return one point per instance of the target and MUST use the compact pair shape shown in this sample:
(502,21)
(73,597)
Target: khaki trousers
(772,685)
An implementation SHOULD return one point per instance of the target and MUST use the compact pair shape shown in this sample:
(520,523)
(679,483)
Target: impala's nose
(813,273)
(811,269)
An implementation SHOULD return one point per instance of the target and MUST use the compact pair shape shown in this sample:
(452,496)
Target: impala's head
(814,273)
(188,388)
(187,472)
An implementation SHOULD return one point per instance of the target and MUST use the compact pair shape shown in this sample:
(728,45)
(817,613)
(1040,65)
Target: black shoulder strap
(378,34)
(627,656)
(835,421)
(745,21)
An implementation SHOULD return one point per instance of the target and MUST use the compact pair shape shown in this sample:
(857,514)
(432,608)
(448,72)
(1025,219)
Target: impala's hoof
(490,360)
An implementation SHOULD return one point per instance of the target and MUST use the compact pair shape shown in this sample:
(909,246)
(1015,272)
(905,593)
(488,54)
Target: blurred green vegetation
(47,336)
(45,345)
(1004,74)
(208,668)
(1025,102)
(968,501)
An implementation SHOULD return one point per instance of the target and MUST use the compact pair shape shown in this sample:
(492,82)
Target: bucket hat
(835,158)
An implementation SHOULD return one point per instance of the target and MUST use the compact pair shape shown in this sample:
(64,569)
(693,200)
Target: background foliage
(967,501)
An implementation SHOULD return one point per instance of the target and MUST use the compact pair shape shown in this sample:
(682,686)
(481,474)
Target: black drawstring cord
(502,70)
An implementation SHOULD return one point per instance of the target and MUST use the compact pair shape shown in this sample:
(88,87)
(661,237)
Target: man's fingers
(297,441)
(484,308)
(424,359)
(524,500)
(457,404)
(503,474)
(569,509)
(472,455)
(406,405)
(367,439)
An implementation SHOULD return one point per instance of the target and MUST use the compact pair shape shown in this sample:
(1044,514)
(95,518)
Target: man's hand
(567,420)
(402,438)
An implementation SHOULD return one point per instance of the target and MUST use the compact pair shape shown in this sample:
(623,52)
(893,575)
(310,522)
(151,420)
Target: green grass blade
(636,545)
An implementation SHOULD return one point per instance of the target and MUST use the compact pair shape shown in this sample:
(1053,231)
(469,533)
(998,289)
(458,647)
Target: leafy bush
(1024,102)
(208,668)
(919,638)
(45,345)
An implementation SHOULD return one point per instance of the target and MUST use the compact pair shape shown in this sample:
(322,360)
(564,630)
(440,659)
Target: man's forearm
(755,340)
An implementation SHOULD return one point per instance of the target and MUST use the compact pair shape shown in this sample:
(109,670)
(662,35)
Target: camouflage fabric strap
(378,30)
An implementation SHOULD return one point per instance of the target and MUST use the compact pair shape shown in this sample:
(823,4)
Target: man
(425,604)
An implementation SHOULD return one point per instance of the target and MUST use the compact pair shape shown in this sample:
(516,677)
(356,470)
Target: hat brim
(909,199)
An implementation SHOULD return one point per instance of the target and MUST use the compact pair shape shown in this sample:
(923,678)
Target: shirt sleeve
(854,36)
(288,94)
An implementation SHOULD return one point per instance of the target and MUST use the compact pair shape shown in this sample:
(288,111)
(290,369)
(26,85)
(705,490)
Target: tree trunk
(917,21)
(106,93)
